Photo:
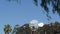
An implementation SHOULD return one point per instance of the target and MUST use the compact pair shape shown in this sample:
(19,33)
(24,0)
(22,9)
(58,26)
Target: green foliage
(7,28)
(15,29)
(36,2)
(51,28)
(55,4)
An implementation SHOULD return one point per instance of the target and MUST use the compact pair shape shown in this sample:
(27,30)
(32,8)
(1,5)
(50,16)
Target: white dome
(34,23)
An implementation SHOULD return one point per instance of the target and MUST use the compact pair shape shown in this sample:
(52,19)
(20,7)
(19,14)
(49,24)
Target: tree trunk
(8,33)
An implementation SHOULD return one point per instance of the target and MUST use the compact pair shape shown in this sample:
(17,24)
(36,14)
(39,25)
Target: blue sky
(13,13)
